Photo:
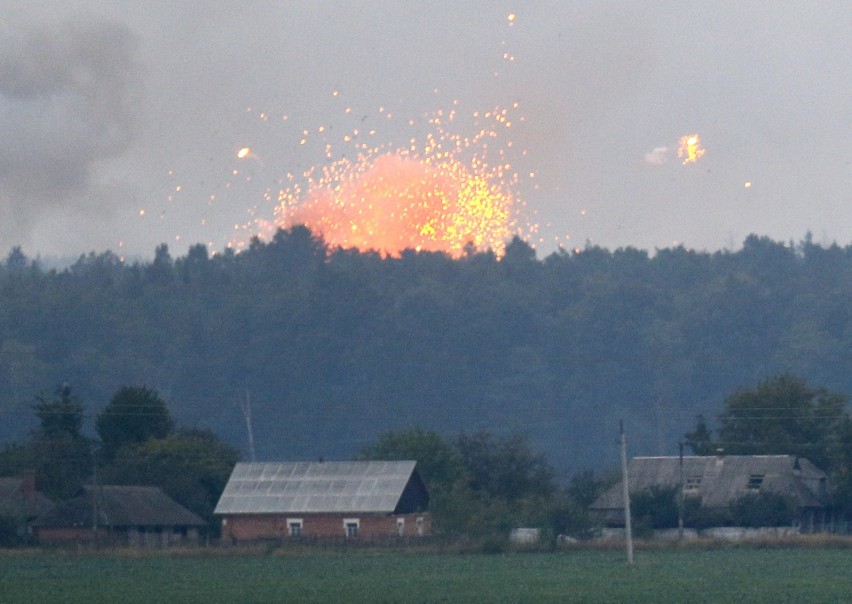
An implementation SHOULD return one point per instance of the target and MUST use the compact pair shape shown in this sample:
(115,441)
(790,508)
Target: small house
(20,504)
(324,500)
(718,481)
(120,515)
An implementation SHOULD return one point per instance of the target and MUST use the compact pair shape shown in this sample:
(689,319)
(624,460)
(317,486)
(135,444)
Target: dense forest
(329,348)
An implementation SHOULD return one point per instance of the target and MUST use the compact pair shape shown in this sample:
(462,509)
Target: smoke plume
(68,98)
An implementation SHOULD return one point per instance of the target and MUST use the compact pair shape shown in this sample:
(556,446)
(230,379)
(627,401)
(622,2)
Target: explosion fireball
(442,195)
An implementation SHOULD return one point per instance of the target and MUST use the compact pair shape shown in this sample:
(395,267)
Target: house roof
(721,480)
(20,499)
(120,506)
(314,487)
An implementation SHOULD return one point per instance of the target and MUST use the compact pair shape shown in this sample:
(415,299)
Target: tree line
(137,443)
(334,347)
(480,483)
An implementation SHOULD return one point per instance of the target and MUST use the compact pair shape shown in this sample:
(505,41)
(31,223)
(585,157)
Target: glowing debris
(690,148)
(243,153)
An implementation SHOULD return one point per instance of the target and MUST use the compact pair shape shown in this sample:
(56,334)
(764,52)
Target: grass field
(727,574)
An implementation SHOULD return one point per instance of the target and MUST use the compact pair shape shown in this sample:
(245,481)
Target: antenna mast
(245,406)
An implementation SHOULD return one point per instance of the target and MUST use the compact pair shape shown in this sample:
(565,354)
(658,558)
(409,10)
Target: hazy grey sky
(107,108)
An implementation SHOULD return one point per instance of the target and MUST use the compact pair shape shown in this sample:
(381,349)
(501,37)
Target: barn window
(754,481)
(419,525)
(294,527)
(692,483)
(400,526)
(350,526)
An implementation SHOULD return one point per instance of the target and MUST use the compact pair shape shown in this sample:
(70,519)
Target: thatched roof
(120,506)
(20,499)
(323,487)
(721,480)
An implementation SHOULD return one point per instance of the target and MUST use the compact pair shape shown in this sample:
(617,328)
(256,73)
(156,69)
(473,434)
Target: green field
(743,575)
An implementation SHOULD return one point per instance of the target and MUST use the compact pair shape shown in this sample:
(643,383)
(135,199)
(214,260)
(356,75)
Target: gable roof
(721,480)
(20,499)
(120,506)
(316,487)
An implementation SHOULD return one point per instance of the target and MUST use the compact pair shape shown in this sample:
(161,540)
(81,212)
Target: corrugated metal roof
(312,487)
(720,480)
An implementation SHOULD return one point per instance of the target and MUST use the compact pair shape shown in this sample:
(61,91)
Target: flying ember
(690,148)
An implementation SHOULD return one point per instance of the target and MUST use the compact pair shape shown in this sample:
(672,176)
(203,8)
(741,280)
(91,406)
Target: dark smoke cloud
(68,98)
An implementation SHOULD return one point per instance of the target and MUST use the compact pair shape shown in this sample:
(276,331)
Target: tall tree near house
(700,439)
(782,415)
(506,467)
(63,456)
(134,415)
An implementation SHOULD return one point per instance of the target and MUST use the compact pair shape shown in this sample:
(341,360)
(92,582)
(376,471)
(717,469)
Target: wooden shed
(718,481)
(120,515)
(324,500)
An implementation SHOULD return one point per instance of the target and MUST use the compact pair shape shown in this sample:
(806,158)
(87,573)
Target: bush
(763,509)
(655,508)
(697,517)
(11,533)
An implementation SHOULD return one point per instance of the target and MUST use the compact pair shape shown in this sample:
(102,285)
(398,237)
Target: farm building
(119,515)
(21,503)
(324,500)
(719,481)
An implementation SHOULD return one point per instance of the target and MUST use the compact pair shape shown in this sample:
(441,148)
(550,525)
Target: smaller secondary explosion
(690,149)
(442,195)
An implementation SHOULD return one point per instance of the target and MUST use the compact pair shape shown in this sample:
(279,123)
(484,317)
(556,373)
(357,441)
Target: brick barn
(324,500)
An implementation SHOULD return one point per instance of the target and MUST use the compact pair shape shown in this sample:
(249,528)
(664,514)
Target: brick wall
(60,534)
(120,536)
(250,527)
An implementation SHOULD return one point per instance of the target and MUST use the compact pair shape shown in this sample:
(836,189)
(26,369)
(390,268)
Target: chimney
(28,482)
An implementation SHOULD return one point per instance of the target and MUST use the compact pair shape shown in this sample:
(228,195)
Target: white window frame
(293,523)
(400,526)
(347,522)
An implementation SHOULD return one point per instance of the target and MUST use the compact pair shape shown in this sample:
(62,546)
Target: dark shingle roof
(721,480)
(19,499)
(120,506)
(306,487)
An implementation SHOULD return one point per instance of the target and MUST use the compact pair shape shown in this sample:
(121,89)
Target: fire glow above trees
(439,191)
(438,195)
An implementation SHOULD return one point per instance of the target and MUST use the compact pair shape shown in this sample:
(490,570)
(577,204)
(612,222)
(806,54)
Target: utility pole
(680,497)
(628,529)
(246,409)
(94,499)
